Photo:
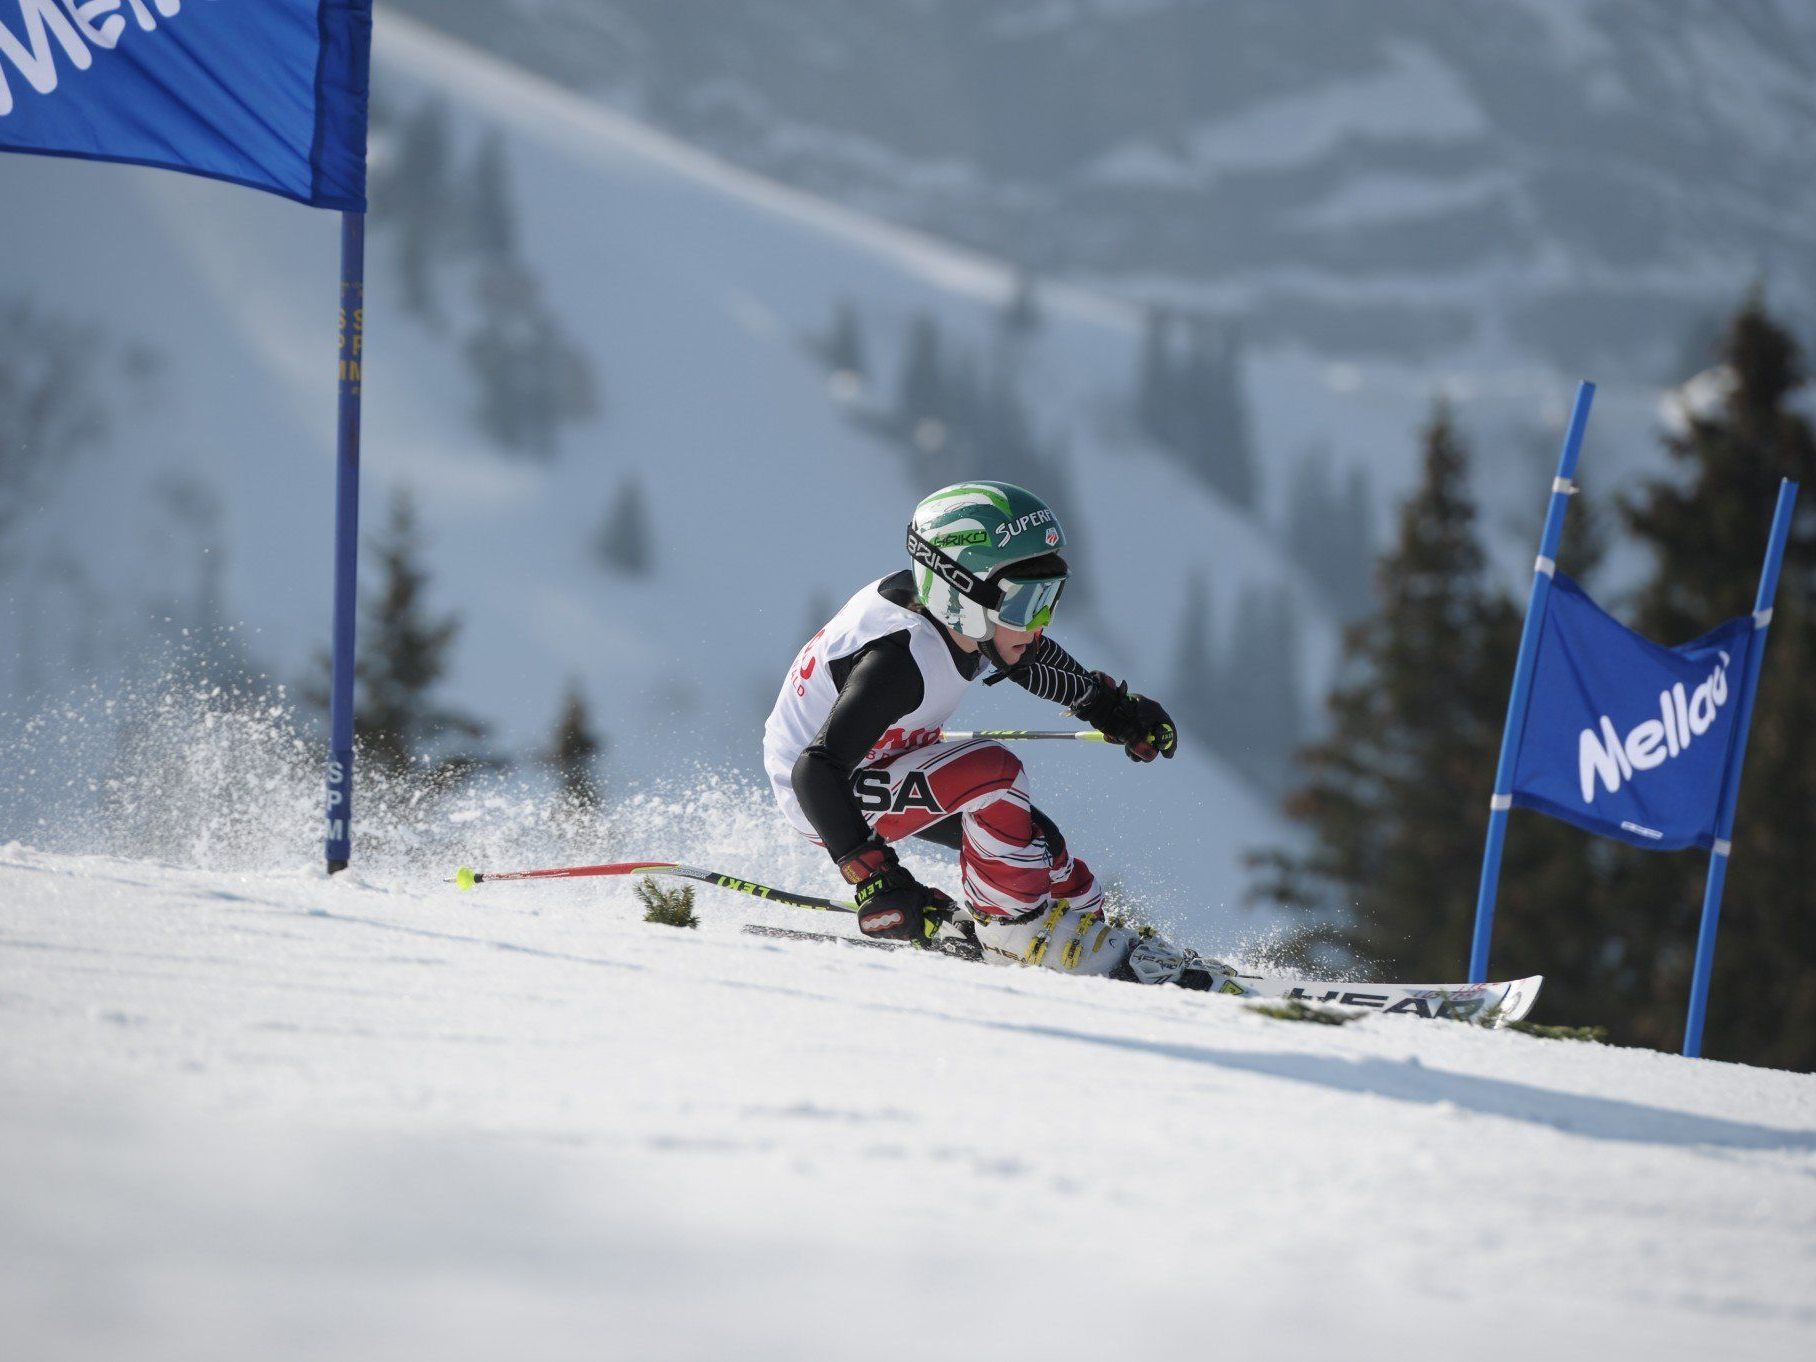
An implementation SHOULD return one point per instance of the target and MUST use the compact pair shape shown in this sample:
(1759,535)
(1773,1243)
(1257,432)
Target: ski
(1492,1004)
(958,949)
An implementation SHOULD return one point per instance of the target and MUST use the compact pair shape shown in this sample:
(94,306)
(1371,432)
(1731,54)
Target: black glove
(1142,726)
(892,904)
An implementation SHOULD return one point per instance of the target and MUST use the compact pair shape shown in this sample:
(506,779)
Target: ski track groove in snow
(270,1113)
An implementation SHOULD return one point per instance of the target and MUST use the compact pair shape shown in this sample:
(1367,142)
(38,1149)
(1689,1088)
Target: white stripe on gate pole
(1563,487)
(1730,781)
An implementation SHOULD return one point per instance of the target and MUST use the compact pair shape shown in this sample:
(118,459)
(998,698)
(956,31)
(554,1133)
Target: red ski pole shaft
(467,877)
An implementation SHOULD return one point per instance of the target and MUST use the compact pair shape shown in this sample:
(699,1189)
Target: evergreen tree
(1282,662)
(51,407)
(1251,711)
(84,605)
(1155,383)
(53,412)
(921,392)
(1194,660)
(1195,407)
(491,222)
(206,646)
(1330,531)
(1215,439)
(502,355)
(1354,535)
(1396,797)
(530,379)
(1397,794)
(403,655)
(843,348)
(1706,528)
(624,542)
(1712,521)
(957,418)
(965,399)
(1308,511)
(419,191)
(1021,314)
(574,752)
(1005,435)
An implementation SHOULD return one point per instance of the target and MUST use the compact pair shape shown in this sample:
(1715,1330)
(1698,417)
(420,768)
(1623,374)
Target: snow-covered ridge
(1217,142)
(533,106)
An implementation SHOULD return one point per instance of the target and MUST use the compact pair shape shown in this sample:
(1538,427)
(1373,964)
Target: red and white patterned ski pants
(1006,867)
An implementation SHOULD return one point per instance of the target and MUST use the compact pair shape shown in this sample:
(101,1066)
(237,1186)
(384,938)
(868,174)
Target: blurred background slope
(1584,181)
(675,309)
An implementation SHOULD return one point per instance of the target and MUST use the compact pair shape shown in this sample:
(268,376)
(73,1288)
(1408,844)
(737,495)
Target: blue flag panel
(1625,738)
(265,93)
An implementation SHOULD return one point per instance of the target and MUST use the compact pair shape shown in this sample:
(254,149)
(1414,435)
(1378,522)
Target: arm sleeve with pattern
(1052,673)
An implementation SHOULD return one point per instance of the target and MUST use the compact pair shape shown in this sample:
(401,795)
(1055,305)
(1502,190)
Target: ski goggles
(1022,602)
(1027,602)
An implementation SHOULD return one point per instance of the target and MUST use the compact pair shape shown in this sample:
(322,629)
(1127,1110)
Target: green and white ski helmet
(987,553)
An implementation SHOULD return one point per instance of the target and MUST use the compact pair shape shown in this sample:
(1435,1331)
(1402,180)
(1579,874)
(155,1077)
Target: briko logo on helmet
(925,553)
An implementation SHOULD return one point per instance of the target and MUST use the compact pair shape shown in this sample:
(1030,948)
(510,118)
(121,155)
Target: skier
(854,751)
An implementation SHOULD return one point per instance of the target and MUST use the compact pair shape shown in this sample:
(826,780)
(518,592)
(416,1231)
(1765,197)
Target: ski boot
(1155,960)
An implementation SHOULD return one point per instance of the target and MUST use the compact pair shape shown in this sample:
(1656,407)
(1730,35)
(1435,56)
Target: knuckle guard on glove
(891,903)
(1140,724)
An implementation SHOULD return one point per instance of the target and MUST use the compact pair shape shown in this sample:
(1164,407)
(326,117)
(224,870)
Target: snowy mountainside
(1425,223)
(1578,180)
(695,286)
(265,1112)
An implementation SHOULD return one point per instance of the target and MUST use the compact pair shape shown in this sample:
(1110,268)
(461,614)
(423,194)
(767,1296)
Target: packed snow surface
(258,1113)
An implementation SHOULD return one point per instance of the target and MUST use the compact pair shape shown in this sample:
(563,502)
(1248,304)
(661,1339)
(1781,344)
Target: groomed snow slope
(269,1115)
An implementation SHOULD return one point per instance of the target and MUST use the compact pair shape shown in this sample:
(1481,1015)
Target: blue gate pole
(339,842)
(1563,487)
(1730,783)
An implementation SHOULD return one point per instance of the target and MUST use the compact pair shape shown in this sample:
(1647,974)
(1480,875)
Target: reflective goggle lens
(1029,604)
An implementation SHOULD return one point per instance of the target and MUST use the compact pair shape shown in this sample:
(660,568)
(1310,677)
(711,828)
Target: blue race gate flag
(1623,737)
(265,93)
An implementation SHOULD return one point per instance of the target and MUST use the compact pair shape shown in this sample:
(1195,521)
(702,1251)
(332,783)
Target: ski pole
(466,877)
(964,946)
(1019,734)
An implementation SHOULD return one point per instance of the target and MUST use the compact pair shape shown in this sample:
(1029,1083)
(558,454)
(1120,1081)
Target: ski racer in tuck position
(854,752)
